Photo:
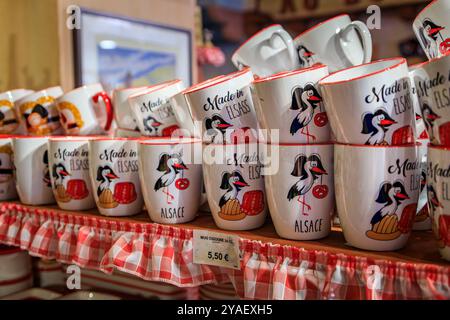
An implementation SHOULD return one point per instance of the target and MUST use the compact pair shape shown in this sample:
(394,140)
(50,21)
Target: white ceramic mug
(39,112)
(152,110)
(335,43)
(32,170)
(69,167)
(432,86)
(171,178)
(82,113)
(438,174)
(431,27)
(7,175)
(114,172)
(9,118)
(122,111)
(301,194)
(291,104)
(371,103)
(223,109)
(234,185)
(269,51)
(377,202)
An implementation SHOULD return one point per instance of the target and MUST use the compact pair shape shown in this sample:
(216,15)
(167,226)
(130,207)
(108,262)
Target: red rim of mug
(225,78)
(320,24)
(154,88)
(426,7)
(284,74)
(162,141)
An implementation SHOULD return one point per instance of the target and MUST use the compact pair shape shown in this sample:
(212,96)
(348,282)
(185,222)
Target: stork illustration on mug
(308,169)
(171,165)
(376,125)
(216,128)
(429,117)
(431,36)
(305,56)
(304,102)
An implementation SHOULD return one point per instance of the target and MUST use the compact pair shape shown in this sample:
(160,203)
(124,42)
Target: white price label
(216,249)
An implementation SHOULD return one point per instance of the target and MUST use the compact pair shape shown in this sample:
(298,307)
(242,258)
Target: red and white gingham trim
(164,253)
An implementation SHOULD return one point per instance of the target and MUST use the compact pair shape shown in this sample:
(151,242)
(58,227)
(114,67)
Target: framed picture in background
(121,52)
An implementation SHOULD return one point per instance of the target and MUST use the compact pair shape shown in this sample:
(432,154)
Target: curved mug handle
(288,42)
(365,36)
(107,105)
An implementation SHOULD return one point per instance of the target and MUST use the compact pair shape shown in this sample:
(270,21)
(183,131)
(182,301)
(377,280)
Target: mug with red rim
(432,28)
(9,118)
(300,194)
(85,110)
(7,174)
(438,187)
(152,109)
(377,203)
(269,51)
(290,104)
(337,42)
(39,113)
(234,185)
(114,173)
(122,112)
(171,178)
(223,109)
(69,166)
(371,103)
(432,86)
(33,176)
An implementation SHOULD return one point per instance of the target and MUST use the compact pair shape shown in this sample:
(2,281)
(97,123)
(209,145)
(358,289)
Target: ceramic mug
(301,194)
(153,111)
(421,130)
(32,170)
(171,178)
(9,118)
(69,166)
(114,172)
(7,175)
(80,111)
(39,112)
(122,111)
(432,85)
(431,27)
(371,103)
(290,103)
(269,51)
(223,109)
(377,202)
(438,174)
(335,43)
(234,185)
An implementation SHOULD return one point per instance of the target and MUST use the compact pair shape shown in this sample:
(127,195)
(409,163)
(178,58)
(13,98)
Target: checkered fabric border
(164,253)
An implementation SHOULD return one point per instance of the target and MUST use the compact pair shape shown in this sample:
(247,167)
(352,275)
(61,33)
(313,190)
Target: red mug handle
(108,106)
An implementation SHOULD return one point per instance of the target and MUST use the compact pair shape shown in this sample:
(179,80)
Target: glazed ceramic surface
(371,104)
(7,174)
(10,123)
(301,194)
(377,190)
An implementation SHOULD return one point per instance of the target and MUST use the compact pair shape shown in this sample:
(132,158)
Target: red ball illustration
(182,184)
(321,119)
(320,191)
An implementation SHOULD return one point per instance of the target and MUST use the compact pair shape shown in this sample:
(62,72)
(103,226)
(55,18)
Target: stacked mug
(377,169)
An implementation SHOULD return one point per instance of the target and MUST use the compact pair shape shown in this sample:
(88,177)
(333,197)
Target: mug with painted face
(122,111)
(269,51)
(85,110)
(114,172)
(377,210)
(69,172)
(371,104)
(234,185)
(7,179)
(9,118)
(39,112)
(432,87)
(438,174)
(431,27)
(290,104)
(300,194)
(32,170)
(223,109)
(338,43)
(171,178)
(152,109)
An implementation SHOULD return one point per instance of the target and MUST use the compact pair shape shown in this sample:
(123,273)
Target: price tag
(216,249)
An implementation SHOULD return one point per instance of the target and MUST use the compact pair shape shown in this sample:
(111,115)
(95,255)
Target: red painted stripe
(16,280)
